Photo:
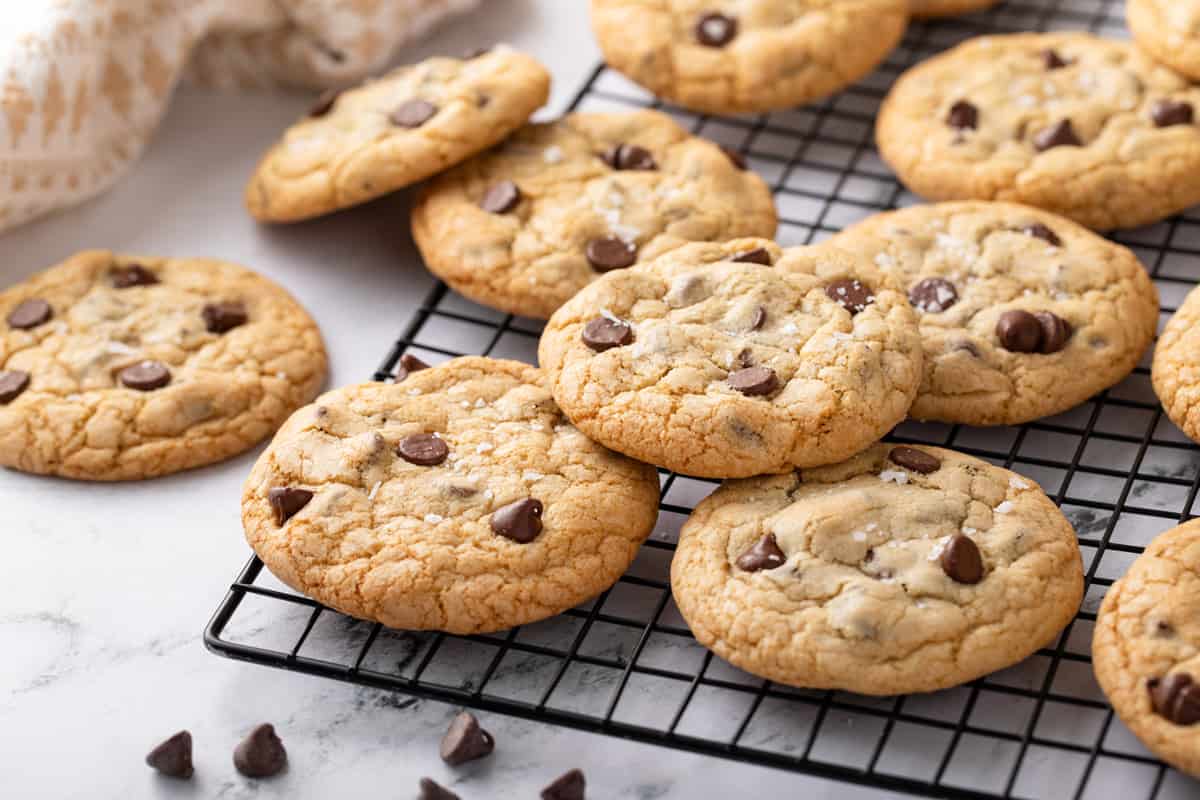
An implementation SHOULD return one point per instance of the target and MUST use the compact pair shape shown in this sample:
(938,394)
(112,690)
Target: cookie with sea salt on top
(460,499)
(393,131)
(1024,314)
(1088,128)
(523,227)
(1169,30)
(903,569)
(118,367)
(736,359)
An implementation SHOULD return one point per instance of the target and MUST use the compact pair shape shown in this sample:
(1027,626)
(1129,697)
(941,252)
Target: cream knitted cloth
(83,83)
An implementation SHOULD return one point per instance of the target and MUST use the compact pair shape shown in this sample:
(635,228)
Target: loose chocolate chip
(423,449)
(287,501)
(734,156)
(603,334)
(914,459)
(465,741)
(409,364)
(933,295)
(324,103)
(763,554)
(132,275)
(520,521)
(501,198)
(222,317)
(850,294)
(1019,332)
(961,560)
(754,381)
(610,252)
(759,319)
(963,116)
(630,156)
(260,754)
(568,786)
(1053,60)
(716,30)
(413,113)
(1060,134)
(30,314)
(1055,332)
(1176,698)
(758,255)
(1166,113)
(432,791)
(173,757)
(12,383)
(1039,231)
(145,376)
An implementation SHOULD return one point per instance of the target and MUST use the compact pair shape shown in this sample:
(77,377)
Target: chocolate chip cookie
(1176,367)
(903,569)
(732,57)
(394,131)
(116,367)
(1169,30)
(1023,314)
(736,359)
(525,226)
(1146,647)
(459,499)
(944,8)
(1088,128)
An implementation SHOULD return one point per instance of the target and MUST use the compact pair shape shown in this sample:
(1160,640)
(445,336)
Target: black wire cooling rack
(625,663)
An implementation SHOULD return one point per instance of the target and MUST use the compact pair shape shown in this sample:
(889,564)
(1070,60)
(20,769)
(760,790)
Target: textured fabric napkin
(83,83)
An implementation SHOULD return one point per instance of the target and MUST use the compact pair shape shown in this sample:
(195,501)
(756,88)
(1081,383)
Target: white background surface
(104,589)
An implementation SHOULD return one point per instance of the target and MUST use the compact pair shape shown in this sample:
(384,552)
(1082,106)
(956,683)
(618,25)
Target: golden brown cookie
(1176,368)
(1169,30)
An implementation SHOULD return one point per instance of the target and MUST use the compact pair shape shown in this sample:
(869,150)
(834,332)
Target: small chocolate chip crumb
(145,376)
(1053,60)
(850,294)
(465,741)
(1056,331)
(716,30)
(568,786)
(629,157)
(223,317)
(430,790)
(1039,231)
(413,113)
(12,383)
(933,295)
(131,275)
(754,381)
(915,460)
(173,757)
(603,333)
(763,554)
(287,501)
(1019,332)
(520,521)
(423,449)
(961,560)
(260,754)
(1176,698)
(734,157)
(1166,113)
(324,103)
(963,116)
(610,252)
(1060,134)
(501,198)
(758,255)
(759,318)
(30,314)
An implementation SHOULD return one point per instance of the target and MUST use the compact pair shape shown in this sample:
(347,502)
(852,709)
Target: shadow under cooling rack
(625,663)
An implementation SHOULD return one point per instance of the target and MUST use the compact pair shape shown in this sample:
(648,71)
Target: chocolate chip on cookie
(30,314)
(423,449)
(851,294)
(286,502)
(1055,332)
(465,740)
(1019,331)
(520,521)
(225,316)
(759,318)
(408,365)
(568,786)
(501,198)
(1176,698)
(914,459)
(1166,113)
(630,157)
(933,295)
(963,116)
(1039,231)
(413,113)
(12,383)
(604,333)
(145,376)
(261,754)
(1053,60)
(1060,134)
(758,255)
(716,30)
(610,252)
(754,381)
(431,790)
(324,103)
(173,757)
(132,275)
(763,554)
(961,560)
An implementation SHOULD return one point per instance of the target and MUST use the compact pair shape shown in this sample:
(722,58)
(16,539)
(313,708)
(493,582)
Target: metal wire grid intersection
(625,663)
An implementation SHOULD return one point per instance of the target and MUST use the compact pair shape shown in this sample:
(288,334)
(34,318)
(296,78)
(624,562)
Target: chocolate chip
(12,383)
(413,113)
(933,295)
(1166,113)
(758,255)
(222,317)
(1176,698)
(603,334)
(763,554)
(568,786)
(520,521)
(963,116)
(132,275)
(716,30)
(145,376)
(1039,231)
(630,156)
(610,252)
(423,449)
(287,501)
(1055,332)
(30,314)
(754,381)
(914,459)
(173,757)
(1060,134)
(745,358)
(1019,332)
(1163,629)
(471,55)
(409,364)
(501,198)
(465,741)
(961,560)
(734,156)
(324,103)
(850,294)
(432,791)
(260,754)
(1053,60)
(759,319)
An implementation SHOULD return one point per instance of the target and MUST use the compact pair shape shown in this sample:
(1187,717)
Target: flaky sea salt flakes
(374,490)
(531,475)
(894,475)
(479,402)
(938,548)
(1005,507)
(884,261)
(859,536)
(552,154)
(536,426)
(484,447)
(1017,483)
(610,316)
(434,519)
(414,392)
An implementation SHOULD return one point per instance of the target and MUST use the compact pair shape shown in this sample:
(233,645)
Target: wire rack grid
(625,663)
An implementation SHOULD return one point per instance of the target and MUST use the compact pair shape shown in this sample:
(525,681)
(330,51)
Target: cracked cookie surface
(1147,632)
(737,56)
(1085,127)
(408,484)
(968,265)
(129,367)
(393,131)
(941,8)
(633,179)
(1169,30)
(736,359)
(882,578)
(1175,371)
